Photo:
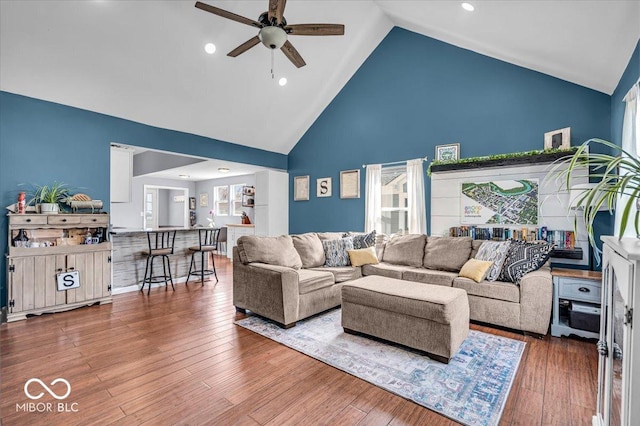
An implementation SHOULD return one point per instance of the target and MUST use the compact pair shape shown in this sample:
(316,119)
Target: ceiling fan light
(272,37)
(282,81)
(210,48)
(468,7)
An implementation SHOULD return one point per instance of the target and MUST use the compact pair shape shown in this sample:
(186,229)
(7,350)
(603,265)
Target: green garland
(501,156)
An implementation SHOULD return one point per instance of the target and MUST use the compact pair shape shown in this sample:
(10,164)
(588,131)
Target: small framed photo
(350,184)
(448,152)
(301,188)
(192,203)
(323,187)
(204,200)
(558,139)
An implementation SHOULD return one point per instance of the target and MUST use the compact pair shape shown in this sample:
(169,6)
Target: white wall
(206,187)
(129,215)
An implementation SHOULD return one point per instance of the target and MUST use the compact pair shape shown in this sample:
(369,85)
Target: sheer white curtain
(631,144)
(415,197)
(373,199)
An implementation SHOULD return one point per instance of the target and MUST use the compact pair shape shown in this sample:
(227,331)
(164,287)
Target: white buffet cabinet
(235,231)
(619,345)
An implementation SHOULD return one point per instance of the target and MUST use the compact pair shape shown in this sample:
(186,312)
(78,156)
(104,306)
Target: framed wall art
(558,139)
(448,152)
(323,187)
(204,200)
(301,188)
(192,203)
(350,184)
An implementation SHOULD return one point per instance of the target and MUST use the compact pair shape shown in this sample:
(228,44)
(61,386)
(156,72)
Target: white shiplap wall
(552,203)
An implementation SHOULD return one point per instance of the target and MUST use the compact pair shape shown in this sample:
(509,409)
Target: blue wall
(415,92)
(42,141)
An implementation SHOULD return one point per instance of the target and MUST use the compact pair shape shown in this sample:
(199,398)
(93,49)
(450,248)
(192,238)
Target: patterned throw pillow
(335,251)
(523,258)
(361,241)
(496,252)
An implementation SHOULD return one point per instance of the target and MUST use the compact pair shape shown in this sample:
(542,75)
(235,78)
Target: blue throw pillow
(335,251)
(361,241)
(522,258)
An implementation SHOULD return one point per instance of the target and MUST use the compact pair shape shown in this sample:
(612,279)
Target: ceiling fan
(274,30)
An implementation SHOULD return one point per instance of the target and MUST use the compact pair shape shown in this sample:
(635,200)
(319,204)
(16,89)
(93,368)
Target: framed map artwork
(513,202)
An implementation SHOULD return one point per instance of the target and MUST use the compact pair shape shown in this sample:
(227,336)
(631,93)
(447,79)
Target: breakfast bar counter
(128,262)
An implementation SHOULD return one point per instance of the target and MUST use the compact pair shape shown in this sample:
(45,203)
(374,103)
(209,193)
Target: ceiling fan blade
(315,29)
(244,47)
(276,10)
(228,15)
(293,55)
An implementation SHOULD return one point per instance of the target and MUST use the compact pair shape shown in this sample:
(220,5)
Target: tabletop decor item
(448,152)
(49,196)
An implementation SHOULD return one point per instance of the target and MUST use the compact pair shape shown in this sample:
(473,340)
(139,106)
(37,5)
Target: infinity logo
(52,393)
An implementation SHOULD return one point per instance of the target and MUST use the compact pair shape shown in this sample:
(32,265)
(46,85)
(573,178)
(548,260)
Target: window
(395,211)
(236,194)
(221,200)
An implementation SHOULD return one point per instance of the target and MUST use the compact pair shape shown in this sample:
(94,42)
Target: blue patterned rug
(472,389)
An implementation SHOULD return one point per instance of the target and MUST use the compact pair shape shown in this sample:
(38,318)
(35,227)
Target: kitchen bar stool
(207,243)
(160,245)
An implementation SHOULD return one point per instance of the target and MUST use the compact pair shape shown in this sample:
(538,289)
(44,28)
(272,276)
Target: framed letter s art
(323,187)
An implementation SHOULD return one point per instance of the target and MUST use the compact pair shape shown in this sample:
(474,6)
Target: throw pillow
(476,269)
(335,251)
(362,240)
(270,250)
(310,249)
(523,258)
(365,256)
(496,252)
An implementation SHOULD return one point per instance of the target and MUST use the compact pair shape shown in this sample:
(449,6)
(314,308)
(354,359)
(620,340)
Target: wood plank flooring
(177,358)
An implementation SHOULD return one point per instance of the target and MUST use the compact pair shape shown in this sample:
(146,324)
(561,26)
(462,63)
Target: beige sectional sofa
(288,291)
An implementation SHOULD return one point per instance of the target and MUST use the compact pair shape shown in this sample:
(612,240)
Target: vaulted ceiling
(145,60)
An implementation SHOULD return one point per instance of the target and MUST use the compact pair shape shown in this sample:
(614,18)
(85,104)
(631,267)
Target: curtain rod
(364,166)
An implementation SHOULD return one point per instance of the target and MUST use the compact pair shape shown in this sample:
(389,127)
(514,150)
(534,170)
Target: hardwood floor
(177,358)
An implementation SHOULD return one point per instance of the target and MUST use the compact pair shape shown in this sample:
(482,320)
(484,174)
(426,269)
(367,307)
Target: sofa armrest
(267,290)
(536,300)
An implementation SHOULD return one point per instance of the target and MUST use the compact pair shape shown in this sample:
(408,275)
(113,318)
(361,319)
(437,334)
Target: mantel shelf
(502,162)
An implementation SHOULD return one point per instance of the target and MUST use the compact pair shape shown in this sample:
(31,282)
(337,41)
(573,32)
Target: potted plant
(50,196)
(616,175)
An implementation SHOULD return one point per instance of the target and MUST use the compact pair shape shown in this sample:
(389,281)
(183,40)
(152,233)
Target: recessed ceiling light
(223,169)
(210,48)
(184,176)
(468,7)
(282,81)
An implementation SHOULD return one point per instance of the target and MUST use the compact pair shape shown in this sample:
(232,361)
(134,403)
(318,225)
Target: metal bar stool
(160,245)
(207,243)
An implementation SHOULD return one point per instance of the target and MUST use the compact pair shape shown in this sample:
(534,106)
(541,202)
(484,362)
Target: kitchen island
(129,263)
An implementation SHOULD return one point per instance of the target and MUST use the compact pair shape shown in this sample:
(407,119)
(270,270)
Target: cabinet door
(121,175)
(95,276)
(32,283)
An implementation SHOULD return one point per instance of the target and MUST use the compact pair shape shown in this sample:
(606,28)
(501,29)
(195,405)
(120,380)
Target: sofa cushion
(447,253)
(476,269)
(362,239)
(364,256)
(335,251)
(405,250)
(329,235)
(310,280)
(493,290)
(270,250)
(475,246)
(384,270)
(496,252)
(310,249)
(341,273)
(429,276)
(522,258)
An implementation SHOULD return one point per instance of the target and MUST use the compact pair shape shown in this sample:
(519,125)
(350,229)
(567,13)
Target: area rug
(472,389)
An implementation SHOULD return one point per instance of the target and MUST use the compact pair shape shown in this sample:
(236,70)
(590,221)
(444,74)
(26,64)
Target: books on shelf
(561,239)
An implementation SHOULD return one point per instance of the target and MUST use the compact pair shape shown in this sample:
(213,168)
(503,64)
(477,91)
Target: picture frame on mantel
(558,139)
(301,188)
(448,152)
(350,183)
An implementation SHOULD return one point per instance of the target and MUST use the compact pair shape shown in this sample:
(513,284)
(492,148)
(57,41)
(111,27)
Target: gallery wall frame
(350,183)
(558,139)
(301,188)
(323,187)
(448,152)
(204,200)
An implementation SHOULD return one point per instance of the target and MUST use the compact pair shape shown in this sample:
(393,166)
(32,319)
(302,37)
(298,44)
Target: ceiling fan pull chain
(272,74)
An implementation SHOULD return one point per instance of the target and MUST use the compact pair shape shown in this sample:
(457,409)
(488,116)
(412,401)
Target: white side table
(574,285)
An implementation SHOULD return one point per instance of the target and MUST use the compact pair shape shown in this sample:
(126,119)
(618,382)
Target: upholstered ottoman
(431,318)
